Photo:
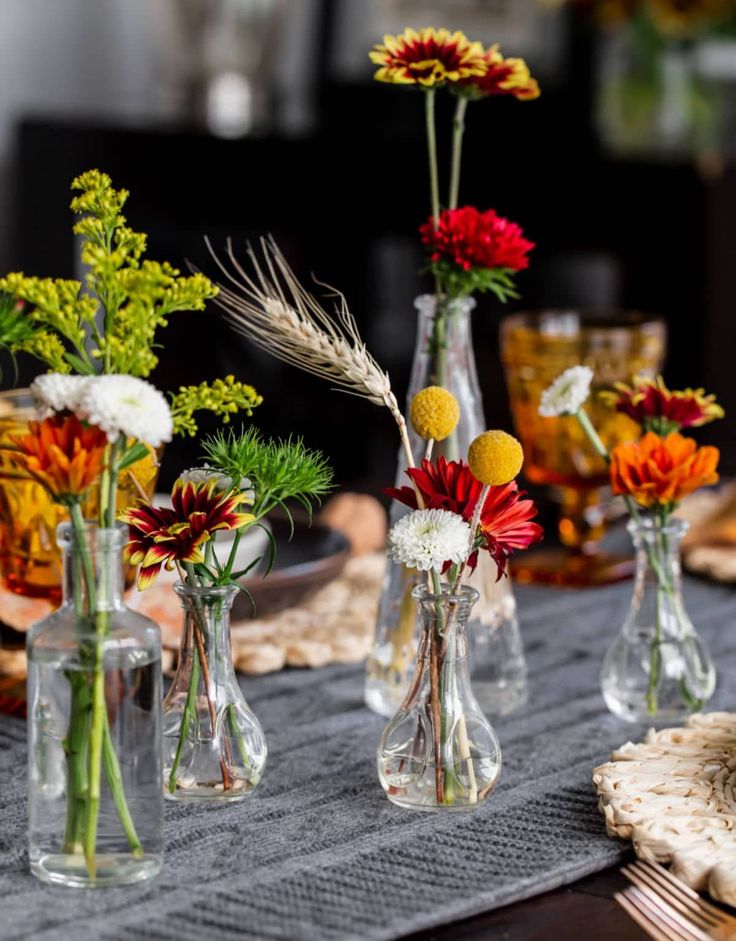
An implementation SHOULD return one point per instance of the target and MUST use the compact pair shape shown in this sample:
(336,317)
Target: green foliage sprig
(111,326)
(277,470)
(460,283)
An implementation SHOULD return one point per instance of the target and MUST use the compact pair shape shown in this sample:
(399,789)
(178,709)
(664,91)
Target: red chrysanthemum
(502,77)
(449,485)
(164,536)
(473,239)
(656,408)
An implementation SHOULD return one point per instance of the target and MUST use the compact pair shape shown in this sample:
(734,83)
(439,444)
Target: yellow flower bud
(495,457)
(434,413)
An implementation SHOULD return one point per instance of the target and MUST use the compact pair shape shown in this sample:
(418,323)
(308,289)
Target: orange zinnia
(62,454)
(661,471)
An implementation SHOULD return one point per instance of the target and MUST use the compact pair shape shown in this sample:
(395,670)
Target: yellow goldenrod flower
(495,458)
(434,413)
(428,58)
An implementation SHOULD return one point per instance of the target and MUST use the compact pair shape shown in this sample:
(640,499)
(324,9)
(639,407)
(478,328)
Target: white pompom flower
(124,405)
(56,392)
(426,539)
(568,393)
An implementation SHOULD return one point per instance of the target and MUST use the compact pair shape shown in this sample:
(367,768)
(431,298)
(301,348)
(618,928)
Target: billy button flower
(427,58)
(167,536)
(434,413)
(64,455)
(495,458)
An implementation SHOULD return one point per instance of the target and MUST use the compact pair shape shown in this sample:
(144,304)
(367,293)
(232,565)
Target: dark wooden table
(582,911)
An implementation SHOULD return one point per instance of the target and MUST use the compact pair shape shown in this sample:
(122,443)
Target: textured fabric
(318,852)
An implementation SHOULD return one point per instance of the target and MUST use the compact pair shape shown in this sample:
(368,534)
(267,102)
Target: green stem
(434,185)
(595,439)
(115,783)
(187,717)
(458,129)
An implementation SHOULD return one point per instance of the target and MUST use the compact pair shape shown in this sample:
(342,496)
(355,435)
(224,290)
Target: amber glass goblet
(30,560)
(535,349)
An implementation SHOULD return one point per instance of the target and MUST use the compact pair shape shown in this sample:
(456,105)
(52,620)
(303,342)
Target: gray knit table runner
(319,853)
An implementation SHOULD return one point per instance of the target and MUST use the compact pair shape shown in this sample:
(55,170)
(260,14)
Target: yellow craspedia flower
(434,413)
(495,457)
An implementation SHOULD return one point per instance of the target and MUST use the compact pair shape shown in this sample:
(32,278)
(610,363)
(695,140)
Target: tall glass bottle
(214,747)
(657,669)
(94,724)
(439,752)
(444,356)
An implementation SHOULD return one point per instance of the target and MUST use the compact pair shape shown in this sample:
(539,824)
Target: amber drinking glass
(535,349)
(30,561)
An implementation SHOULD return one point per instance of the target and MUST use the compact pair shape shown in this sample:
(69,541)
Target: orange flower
(501,77)
(661,471)
(429,58)
(62,454)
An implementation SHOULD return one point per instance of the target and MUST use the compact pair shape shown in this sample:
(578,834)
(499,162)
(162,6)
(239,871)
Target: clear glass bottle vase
(94,724)
(657,669)
(444,356)
(214,747)
(439,752)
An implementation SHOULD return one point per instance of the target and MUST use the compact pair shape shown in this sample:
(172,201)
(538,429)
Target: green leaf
(134,454)
(82,367)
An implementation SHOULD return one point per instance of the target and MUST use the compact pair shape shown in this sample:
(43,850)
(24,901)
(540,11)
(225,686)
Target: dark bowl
(313,557)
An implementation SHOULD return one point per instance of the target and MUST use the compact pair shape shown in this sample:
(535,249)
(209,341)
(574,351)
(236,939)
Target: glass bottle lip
(95,535)
(224,592)
(648,525)
(427,303)
(466,595)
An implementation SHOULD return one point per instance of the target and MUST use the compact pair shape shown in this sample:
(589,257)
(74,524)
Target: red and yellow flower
(657,471)
(166,536)
(656,408)
(472,239)
(429,58)
(506,519)
(64,455)
(502,77)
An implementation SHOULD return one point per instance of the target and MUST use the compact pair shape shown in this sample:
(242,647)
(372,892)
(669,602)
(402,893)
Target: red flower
(502,77)
(472,239)
(449,485)
(163,535)
(656,408)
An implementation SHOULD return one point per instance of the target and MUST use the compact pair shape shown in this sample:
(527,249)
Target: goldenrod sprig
(223,397)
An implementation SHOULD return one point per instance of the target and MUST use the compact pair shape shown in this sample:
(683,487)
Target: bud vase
(657,669)
(439,752)
(444,357)
(94,723)
(214,747)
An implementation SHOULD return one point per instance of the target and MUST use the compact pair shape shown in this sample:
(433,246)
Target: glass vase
(94,724)
(439,752)
(444,356)
(214,747)
(657,669)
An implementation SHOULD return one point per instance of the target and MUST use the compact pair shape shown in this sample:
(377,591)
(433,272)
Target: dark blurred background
(242,117)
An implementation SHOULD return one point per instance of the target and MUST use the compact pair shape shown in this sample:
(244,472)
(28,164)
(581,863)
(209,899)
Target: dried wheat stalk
(276,312)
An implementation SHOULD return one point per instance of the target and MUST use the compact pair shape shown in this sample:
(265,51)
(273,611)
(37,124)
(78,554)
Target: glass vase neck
(207,619)
(92,566)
